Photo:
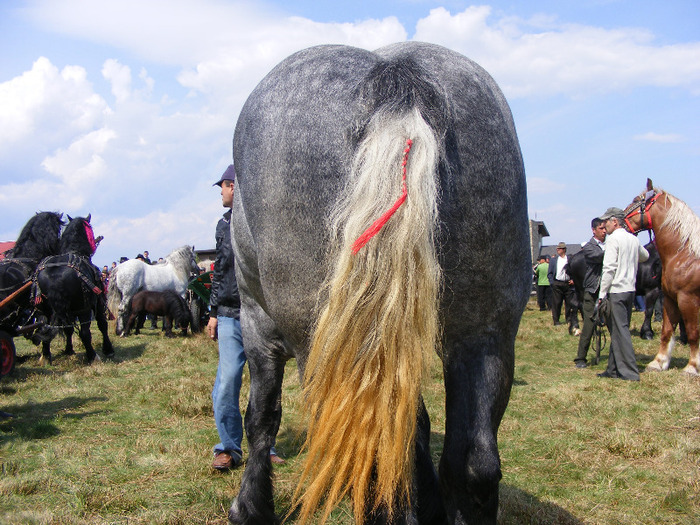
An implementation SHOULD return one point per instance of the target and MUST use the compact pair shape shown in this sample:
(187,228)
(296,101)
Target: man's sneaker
(276,460)
(224,460)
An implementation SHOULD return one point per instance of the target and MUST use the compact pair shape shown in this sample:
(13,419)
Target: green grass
(129,442)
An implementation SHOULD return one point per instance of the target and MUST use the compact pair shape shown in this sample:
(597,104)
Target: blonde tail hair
(377,329)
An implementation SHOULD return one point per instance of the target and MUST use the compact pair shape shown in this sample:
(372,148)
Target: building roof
(551,250)
(4,246)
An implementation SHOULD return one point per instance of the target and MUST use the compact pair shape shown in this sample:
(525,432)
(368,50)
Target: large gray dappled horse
(319,148)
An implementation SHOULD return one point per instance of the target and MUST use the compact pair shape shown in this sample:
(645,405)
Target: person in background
(593,252)
(145,257)
(544,296)
(561,283)
(617,284)
(224,325)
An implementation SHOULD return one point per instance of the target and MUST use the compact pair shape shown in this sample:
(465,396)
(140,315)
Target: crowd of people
(611,256)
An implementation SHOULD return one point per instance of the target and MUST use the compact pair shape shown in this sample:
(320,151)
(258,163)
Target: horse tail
(114,294)
(378,325)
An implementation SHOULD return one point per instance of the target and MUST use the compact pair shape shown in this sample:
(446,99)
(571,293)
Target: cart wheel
(7,354)
(196,314)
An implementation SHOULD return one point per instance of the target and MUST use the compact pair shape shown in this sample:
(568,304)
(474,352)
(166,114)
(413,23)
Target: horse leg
(86,337)
(129,325)
(68,333)
(428,507)
(103,326)
(646,332)
(168,326)
(689,316)
(478,377)
(45,358)
(140,321)
(667,341)
(254,503)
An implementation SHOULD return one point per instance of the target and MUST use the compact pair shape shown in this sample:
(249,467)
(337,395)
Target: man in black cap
(622,254)
(225,325)
(561,284)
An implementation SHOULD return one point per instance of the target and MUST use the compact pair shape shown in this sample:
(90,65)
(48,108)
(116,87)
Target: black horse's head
(77,237)
(40,237)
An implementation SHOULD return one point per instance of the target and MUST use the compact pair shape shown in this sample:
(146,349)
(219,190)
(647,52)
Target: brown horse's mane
(682,220)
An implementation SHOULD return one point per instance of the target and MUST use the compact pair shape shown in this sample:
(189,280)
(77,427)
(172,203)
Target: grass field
(129,442)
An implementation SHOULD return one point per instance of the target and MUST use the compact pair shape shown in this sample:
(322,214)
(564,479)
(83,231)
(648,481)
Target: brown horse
(677,233)
(169,304)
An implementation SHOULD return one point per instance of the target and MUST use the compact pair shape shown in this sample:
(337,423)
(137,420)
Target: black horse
(648,284)
(38,239)
(69,287)
(168,304)
(380,215)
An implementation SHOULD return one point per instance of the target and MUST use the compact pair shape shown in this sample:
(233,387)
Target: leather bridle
(641,207)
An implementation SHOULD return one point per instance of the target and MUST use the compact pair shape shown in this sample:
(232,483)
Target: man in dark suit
(561,283)
(593,252)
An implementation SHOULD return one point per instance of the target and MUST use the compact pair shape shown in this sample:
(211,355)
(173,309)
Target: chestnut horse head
(677,237)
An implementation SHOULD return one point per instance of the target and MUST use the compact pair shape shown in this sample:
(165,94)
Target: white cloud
(660,137)
(46,106)
(120,77)
(540,57)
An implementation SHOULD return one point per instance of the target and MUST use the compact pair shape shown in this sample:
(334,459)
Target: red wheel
(7,354)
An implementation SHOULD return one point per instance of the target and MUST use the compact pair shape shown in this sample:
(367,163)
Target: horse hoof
(654,366)
(691,370)
(234,516)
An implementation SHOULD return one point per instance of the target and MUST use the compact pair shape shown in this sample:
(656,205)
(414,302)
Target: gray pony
(380,216)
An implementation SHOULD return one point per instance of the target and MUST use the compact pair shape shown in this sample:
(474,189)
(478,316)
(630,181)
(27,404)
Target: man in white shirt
(622,254)
(561,285)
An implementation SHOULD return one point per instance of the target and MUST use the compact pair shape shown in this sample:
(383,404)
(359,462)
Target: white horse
(134,275)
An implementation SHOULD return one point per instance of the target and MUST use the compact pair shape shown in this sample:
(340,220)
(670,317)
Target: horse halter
(642,206)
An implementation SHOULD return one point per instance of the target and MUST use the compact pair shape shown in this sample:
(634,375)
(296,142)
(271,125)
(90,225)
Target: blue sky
(126,109)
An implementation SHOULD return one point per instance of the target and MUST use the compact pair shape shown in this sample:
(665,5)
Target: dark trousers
(584,342)
(622,361)
(544,297)
(562,292)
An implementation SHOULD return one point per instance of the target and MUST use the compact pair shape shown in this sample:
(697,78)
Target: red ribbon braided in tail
(381,221)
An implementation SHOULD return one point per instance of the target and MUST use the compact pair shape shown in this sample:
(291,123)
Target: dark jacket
(552,273)
(224,300)
(593,254)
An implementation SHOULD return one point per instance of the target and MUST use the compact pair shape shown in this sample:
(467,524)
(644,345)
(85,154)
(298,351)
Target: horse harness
(27,266)
(642,207)
(74,262)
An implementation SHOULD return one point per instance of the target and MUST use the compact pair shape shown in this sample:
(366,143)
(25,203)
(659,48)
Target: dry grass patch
(130,441)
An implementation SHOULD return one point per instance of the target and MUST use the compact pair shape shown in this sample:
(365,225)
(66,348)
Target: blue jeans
(227,386)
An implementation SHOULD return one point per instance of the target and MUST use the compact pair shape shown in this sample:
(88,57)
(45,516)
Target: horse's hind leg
(86,336)
(478,377)
(666,342)
(429,509)
(68,332)
(254,503)
(103,326)
(689,313)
